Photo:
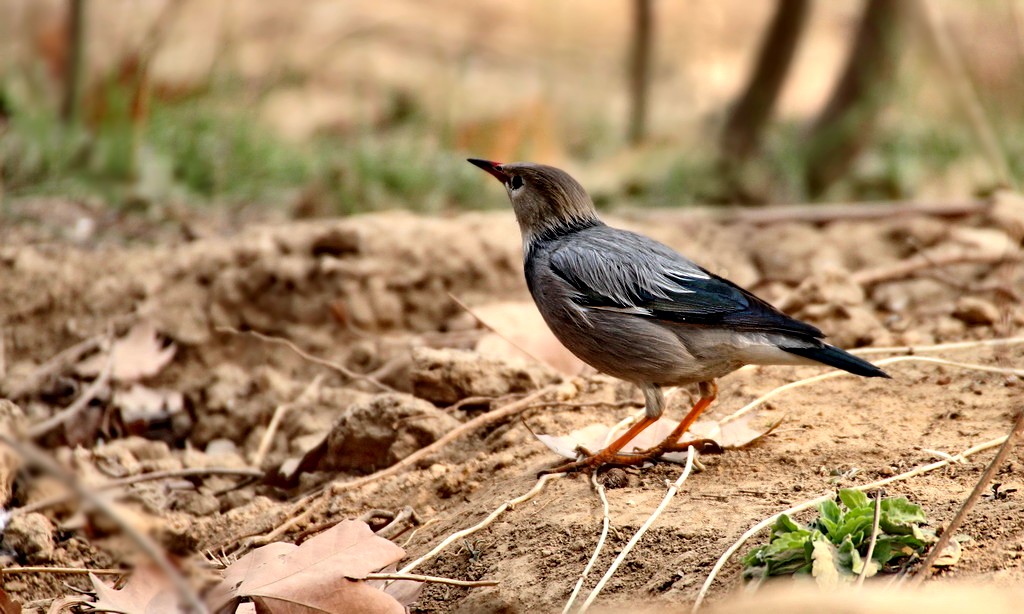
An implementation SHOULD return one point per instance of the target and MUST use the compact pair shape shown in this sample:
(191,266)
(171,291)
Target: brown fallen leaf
(325,575)
(950,555)
(731,435)
(404,591)
(149,412)
(8,605)
(521,332)
(147,592)
(137,355)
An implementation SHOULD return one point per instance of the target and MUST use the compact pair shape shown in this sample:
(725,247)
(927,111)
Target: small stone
(450,375)
(12,424)
(615,478)
(1008,213)
(975,311)
(31,537)
(12,419)
(381,431)
(196,503)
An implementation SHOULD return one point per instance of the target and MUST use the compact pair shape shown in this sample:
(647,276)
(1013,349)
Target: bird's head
(547,201)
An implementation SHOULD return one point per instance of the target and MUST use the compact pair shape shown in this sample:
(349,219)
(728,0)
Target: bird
(638,310)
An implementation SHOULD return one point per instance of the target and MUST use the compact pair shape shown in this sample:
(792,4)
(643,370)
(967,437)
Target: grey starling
(636,309)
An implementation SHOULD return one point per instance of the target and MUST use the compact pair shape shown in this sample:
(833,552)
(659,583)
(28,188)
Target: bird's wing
(630,273)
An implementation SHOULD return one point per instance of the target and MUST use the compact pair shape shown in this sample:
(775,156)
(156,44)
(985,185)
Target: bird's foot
(603,458)
(591,461)
(703,446)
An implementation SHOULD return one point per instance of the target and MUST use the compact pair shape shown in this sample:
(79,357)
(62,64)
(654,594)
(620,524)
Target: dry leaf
(950,555)
(137,355)
(8,605)
(731,435)
(522,333)
(323,575)
(823,565)
(142,404)
(146,592)
(404,591)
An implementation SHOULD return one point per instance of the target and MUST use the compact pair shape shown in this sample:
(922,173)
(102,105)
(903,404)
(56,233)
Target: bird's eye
(516,182)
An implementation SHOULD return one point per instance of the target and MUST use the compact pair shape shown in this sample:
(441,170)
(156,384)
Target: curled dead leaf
(137,355)
(8,605)
(730,435)
(147,592)
(142,403)
(950,554)
(520,332)
(326,574)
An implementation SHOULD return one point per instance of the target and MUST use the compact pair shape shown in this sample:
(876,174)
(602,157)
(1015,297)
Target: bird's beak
(494,168)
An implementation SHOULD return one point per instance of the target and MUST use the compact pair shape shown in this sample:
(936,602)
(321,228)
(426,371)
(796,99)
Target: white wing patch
(635,311)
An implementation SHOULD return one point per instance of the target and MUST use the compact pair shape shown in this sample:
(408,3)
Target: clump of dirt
(383,362)
(382,431)
(447,376)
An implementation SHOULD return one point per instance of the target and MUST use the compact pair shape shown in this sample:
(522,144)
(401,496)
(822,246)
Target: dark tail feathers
(834,357)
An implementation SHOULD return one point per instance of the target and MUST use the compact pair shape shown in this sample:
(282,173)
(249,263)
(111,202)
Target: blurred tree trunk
(847,123)
(71,106)
(741,134)
(640,54)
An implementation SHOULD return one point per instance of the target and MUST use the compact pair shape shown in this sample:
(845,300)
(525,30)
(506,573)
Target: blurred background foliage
(342,106)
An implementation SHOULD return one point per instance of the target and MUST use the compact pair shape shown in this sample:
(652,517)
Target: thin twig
(939,347)
(136,479)
(907,268)
(816,213)
(61,604)
(504,337)
(588,405)
(508,505)
(279,413)
(71,411)
(953,63)
(961,514)
(691,453)
(402,522)
(451,409)
(968,365)
(298,514)
(408,540)
(722,560)
(323,362)
(496,415)
(67,570)
(429,579)
(605,524)
(56,365)
(874,538)
(885,361)
(31,454)
(317,500)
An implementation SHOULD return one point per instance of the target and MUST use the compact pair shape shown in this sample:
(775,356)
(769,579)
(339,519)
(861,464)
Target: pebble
(975,311)
(31,536)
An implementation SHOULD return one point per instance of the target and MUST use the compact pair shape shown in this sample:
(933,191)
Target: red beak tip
(494,168)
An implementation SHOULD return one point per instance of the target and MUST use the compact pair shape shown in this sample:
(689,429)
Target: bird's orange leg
(708,394)
(610,455)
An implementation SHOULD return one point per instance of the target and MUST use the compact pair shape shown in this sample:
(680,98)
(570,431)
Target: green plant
(835,544)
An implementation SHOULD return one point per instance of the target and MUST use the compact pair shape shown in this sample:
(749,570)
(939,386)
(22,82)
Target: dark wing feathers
(623,271)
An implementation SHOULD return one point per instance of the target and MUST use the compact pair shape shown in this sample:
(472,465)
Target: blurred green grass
(204,149)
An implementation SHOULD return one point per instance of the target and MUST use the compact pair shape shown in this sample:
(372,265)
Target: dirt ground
(375,294)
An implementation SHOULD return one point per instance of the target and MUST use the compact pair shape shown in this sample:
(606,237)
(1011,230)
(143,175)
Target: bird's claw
(600,459)
(703,446)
